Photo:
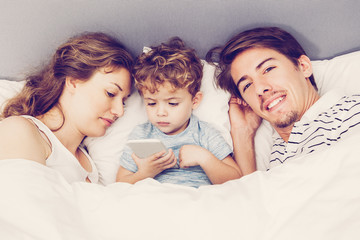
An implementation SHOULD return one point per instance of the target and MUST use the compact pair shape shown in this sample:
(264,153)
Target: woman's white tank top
(62,160)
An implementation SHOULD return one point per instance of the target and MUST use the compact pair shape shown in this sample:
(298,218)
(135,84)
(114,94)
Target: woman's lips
(107,121)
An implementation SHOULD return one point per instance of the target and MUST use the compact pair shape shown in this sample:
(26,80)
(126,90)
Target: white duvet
(317,197)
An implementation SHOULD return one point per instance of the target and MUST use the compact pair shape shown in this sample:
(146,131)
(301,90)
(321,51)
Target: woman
(80,93)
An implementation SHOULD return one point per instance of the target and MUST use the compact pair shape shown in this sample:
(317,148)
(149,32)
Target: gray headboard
(31,30)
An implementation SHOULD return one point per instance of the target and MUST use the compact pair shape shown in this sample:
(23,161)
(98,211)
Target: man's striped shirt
(329,120)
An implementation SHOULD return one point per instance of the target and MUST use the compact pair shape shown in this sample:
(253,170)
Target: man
(270,76)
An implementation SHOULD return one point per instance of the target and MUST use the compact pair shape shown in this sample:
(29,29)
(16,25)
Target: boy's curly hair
(170,62)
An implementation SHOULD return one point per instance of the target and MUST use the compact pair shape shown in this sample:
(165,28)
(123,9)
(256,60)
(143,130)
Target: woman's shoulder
(21,138)
(16,124)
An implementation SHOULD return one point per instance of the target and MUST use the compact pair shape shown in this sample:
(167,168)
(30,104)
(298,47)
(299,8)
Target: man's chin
(288,120)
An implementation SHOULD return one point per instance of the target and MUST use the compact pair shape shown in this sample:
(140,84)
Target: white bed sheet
(317,197)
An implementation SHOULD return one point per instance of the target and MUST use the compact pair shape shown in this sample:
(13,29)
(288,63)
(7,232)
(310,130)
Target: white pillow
(8,89)
(106,151)
(341,72)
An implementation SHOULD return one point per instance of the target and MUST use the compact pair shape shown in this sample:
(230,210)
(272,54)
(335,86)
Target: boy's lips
(163,124)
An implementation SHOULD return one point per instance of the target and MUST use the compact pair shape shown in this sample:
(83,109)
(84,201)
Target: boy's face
(169,109)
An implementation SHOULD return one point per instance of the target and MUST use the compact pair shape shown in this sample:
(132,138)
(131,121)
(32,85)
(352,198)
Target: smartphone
(144,148)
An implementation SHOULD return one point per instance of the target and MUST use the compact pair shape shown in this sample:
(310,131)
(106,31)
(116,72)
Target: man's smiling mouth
(275,102)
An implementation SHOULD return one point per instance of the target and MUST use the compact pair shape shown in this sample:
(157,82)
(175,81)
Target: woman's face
(100,101)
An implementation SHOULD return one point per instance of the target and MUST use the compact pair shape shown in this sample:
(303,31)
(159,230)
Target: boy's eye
(151,104)
(173,104)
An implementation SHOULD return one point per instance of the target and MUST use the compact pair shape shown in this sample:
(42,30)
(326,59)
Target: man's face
(276,89)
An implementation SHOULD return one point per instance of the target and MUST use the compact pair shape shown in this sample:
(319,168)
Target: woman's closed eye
(110,94)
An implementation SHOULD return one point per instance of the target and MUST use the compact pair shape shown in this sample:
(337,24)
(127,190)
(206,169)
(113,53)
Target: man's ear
(197,99)
(305,65)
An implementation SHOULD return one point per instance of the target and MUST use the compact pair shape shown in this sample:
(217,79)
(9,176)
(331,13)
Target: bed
(312,197)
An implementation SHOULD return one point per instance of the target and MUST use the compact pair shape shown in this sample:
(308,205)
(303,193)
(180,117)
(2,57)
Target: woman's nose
(118,109)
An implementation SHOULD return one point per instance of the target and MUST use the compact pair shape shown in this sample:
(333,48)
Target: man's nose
(261,86)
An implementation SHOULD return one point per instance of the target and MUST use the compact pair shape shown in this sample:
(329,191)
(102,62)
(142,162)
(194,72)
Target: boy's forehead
(164,91)
(153,87)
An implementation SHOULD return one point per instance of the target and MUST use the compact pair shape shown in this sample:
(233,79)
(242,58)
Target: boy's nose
(161,111)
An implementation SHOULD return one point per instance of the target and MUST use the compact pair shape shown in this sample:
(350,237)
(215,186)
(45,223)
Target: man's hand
(244,124)
(242,117)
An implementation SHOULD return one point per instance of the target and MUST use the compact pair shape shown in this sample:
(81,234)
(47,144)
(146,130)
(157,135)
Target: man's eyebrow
(240,80)
(263,62)
(257,68)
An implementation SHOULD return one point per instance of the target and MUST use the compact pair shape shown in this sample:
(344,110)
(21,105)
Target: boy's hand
(155,164)
(192,155)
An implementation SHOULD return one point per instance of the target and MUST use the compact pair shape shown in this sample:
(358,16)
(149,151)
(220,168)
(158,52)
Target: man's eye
(246,86)
(268,69)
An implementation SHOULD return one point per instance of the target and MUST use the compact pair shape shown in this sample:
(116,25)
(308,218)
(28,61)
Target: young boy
(168,78)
